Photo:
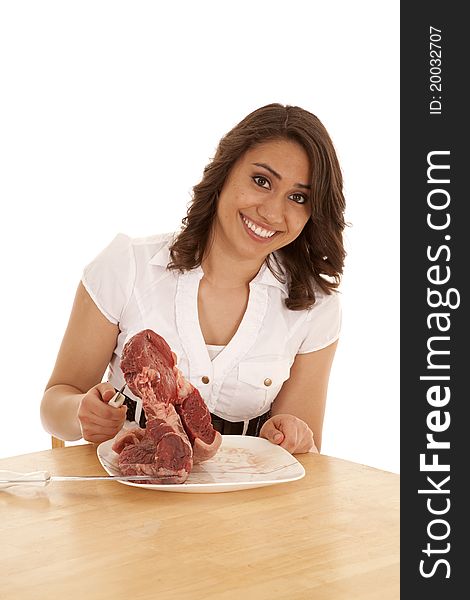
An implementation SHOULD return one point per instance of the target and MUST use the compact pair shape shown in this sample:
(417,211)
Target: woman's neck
(222,270)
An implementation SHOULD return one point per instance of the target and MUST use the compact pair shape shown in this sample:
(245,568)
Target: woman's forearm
(59,409)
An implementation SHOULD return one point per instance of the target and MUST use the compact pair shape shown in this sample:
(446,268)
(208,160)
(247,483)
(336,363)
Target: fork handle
(118,399)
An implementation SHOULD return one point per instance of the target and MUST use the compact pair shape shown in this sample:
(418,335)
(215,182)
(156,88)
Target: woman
(244,294)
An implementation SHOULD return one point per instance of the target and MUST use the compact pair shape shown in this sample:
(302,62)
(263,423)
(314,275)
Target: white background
(108,113)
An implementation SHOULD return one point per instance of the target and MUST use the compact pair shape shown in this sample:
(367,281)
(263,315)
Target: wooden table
(332,535)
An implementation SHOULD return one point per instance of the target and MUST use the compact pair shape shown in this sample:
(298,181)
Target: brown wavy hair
(316,256)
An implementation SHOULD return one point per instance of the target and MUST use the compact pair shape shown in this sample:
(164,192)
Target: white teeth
(265,233)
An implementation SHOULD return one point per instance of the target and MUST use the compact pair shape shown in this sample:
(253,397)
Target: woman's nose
(272,209)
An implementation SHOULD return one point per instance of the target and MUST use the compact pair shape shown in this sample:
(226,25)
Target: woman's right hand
(99,421)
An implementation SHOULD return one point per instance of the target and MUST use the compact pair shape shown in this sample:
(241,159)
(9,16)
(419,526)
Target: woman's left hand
(289,432)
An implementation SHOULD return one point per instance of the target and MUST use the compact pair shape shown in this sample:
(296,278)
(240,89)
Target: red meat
(179,429)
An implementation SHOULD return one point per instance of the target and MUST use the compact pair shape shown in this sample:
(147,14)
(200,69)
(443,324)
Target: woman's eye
(261,181)
(299,198)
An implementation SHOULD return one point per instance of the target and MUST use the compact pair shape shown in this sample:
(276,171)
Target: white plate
(242,462)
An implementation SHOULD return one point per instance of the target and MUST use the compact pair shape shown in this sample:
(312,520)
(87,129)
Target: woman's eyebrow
(276,174)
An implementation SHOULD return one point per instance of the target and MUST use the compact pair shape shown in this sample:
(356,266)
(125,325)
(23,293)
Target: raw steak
(163,450)
(197,423)
(179,429)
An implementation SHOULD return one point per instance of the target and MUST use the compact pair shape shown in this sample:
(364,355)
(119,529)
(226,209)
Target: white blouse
(132,287)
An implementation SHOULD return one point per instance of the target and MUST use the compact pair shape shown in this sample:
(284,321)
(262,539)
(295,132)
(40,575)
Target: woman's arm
(303,395)
(73,404)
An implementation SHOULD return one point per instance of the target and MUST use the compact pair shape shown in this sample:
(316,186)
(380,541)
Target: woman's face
(264,203)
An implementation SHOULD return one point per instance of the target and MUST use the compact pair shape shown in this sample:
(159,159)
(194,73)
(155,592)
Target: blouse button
(205,379)
(267,382)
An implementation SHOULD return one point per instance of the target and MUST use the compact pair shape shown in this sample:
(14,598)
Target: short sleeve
(323,323)
(109,278)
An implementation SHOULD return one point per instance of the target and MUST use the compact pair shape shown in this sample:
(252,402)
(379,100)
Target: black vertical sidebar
(434,332)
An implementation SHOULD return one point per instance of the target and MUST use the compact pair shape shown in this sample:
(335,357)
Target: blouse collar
(264,276)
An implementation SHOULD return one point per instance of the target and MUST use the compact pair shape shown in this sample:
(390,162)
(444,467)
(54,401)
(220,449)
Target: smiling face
(264,203)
